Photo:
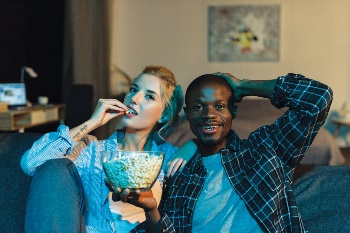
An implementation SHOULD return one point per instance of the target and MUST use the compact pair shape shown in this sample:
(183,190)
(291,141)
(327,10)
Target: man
(234,185)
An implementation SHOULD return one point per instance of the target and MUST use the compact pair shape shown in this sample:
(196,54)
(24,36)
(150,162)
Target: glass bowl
(132,169)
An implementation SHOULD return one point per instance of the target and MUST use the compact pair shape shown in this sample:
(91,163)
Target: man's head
(210,110)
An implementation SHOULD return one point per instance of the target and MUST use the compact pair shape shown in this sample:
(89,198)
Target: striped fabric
(260,167)
(87,158)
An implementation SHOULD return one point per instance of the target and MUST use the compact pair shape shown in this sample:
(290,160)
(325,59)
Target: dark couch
(15,184)
(322,194)
(323,198)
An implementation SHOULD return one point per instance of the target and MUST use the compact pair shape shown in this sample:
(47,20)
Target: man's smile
(209,128)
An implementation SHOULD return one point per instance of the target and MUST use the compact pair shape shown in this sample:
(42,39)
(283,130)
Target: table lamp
(29,71)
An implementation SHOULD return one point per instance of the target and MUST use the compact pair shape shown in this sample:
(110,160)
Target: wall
(315,37)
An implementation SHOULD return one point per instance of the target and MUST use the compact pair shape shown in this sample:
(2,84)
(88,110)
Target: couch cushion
(323,199)
(14,184)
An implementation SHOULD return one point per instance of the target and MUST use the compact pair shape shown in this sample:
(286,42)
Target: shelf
(18,120)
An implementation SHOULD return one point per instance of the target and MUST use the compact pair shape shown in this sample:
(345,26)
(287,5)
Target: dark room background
(31,34)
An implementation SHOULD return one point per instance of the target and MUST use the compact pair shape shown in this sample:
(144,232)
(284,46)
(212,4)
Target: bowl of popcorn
(132,169)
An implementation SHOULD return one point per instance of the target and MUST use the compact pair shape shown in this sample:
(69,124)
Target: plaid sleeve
(167,226)
(308,102)
(297,92)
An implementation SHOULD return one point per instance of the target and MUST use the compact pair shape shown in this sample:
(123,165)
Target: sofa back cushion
(252,113)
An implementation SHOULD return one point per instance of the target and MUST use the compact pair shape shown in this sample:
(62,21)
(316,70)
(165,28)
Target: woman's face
(145,103)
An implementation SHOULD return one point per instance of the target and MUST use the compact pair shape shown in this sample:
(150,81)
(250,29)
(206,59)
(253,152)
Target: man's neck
(208,150)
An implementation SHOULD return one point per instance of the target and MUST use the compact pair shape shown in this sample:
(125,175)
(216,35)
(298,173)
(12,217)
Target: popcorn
(137,170)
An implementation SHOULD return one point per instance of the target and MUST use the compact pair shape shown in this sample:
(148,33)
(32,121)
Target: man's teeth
(210,127)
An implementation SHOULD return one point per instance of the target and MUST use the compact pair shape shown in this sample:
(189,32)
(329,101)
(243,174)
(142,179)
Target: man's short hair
(205,79)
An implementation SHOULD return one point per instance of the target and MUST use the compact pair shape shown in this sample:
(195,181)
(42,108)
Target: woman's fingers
(177,166)
(169,167)
(107,109)
(182,165)
(114,109)
(114,105)
(174,166)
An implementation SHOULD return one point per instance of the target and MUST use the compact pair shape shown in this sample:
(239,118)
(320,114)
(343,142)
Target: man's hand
(142,199)
(246,87)
(234,84)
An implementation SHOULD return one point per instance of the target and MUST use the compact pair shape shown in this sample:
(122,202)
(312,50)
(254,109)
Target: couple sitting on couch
(228,185)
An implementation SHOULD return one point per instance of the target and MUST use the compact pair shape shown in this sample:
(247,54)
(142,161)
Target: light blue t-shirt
(219,208)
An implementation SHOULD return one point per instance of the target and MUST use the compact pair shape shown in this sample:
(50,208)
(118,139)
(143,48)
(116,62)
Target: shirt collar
(233,142)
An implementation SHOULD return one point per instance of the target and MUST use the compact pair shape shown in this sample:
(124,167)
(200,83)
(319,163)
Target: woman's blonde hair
(172,96)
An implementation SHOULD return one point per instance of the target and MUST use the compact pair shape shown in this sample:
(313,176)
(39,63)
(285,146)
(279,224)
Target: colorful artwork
(243,33)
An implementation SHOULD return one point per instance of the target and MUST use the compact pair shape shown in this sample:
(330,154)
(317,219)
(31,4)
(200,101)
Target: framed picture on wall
(244,33)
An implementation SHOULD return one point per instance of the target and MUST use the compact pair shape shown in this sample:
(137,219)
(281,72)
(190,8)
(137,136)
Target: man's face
(208,111)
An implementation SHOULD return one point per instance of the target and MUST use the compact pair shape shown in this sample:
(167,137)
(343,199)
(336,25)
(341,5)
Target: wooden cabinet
(19,120)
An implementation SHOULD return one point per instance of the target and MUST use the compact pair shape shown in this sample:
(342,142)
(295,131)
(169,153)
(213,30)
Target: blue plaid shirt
(260,167)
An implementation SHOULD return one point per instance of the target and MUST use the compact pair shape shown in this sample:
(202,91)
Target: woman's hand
(178,160)
(107,109)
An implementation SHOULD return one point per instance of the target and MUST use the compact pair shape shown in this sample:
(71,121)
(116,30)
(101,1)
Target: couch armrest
(14,183)
(323,199)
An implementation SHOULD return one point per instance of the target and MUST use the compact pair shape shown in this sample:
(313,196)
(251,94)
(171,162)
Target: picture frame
(244,33)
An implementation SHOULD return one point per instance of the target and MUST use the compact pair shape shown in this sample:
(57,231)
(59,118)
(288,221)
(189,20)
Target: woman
(150,107)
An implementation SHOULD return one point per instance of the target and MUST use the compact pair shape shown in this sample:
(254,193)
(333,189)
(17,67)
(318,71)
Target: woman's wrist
(80,131)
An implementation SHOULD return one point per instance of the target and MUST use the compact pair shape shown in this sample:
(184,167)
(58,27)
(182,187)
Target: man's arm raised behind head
(246,87)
